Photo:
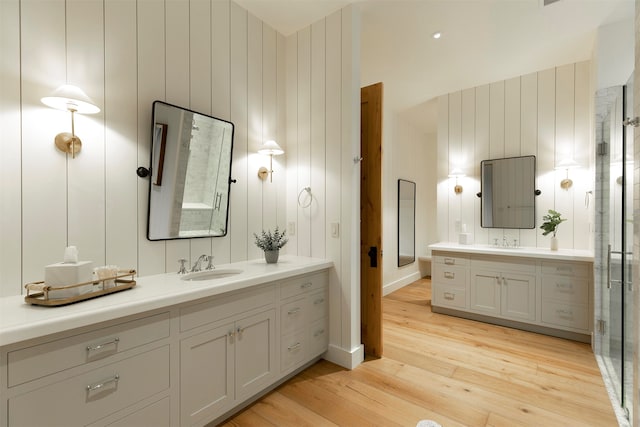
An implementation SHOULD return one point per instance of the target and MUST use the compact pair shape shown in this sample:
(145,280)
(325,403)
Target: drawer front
(566,315)
(90,396)
(449,275)
(519,265)
(44,359)
(157,414)
(568,289)
(318,305)
(450,259)
(293,315)
(215,309)
(292,350)
(566,268)
(319,337)
(449,296)
(300,285)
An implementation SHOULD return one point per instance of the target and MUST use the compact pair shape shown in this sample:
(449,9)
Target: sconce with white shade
(73,99)
(270,148)
(457,173)
(567,164)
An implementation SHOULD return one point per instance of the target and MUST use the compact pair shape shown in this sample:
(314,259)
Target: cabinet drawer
(85,398)
(318,305)
(502,264)
(300,285)
(449,296)
(566,268)
(449,275)
(319,337)
(450,259)
(215,309)
(568,289)
(293,315)
(44,359)
(292,350)
(157,414)
(566,315)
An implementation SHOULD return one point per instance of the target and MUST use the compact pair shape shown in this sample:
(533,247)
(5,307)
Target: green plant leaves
(268,241)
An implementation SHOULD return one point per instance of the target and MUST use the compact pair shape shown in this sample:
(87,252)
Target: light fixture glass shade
(567,164)
(456,173)
(271,148)
(70,98)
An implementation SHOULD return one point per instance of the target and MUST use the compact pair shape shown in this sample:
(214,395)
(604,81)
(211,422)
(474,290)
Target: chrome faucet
(182,269)
(210,265)
(198,264)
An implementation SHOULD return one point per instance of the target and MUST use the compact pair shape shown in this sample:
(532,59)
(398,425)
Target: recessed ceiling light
(436,35)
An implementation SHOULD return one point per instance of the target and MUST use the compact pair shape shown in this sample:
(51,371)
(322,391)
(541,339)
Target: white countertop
(20,321)
(561,254)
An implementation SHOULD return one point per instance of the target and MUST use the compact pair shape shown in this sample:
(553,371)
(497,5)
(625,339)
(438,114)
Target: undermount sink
(218,273)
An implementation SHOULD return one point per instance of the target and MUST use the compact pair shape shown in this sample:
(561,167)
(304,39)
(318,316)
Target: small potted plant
(550,225)
(271,243)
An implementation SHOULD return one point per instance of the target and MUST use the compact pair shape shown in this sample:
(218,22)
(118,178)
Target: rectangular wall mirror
(190,174)
(406,222)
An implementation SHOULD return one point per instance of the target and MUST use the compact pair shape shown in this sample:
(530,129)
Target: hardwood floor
(454,371)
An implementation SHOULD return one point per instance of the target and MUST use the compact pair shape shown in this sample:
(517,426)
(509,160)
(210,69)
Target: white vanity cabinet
(537,290)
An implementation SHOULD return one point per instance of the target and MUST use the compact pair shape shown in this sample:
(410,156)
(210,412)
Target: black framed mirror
(190,177)
(406,222)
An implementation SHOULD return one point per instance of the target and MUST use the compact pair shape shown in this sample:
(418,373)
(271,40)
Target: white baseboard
(394,286)
(345,358)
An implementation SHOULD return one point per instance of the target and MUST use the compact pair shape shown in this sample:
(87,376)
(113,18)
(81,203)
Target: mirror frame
(406,260)
(157,153)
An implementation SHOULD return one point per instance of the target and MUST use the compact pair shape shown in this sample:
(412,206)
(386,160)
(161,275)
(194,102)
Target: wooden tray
(38,292)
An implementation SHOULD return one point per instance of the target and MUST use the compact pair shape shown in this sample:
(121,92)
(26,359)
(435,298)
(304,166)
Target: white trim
(400,283)
(349,359)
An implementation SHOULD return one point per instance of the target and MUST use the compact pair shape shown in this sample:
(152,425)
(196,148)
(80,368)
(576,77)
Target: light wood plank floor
(454,371)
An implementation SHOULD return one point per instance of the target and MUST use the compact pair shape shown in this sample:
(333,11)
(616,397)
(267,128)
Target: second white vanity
(528,288)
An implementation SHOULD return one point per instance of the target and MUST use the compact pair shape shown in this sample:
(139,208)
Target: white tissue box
(64,274)
(465,239)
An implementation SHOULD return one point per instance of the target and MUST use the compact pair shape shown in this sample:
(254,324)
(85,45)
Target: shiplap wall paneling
(318,119)
(10,159)
(512,105)
(496,137)
(334,165)
(467,160)
(545,161)
(221,99)
(44,168)
(583,151)
(565,113)
(121,128)
(304,136)
(151,87)
(443,169)
(238,218)
(529,138)
(481,153)
(281,133)
(255,134)
(455,161)
(178,52)
(291,153)
(200,89)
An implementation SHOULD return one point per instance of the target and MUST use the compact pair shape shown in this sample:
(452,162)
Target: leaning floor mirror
(406,222)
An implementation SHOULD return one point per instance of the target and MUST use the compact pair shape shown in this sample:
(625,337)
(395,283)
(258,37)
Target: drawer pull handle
(114,341)
(318,333)
(231,334)
(94,387)
(450,261)
(306,285)
(449,296)
(449,275)
(565,313)
(318,301)
(294,347)
(293,311)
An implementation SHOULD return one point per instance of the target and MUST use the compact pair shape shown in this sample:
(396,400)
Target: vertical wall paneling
(443,169)
(529,137)
(318,120)
(255,136)
(467,129)
(121,127)
(512,105)
(221,98)
(481,153)
(333,164)
(455,161)
(44,168)
(304,136)
(281,130)
(86,182)
(239,116)
(291,153)
(496,134)
(582,177)
(200,86)
(10,159)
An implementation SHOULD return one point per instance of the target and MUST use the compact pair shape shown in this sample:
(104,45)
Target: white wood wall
(546,114)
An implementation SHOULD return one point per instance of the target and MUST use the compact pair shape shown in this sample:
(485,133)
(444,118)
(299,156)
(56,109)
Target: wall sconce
(73,99)
(567,164)
(270,148)
(457,173)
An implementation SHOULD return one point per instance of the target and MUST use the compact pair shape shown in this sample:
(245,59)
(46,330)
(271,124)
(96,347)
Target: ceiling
(482,41)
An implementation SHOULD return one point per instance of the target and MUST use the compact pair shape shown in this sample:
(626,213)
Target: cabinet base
(575,336)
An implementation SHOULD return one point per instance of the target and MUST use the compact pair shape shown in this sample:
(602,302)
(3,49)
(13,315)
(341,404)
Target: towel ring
(308,190)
